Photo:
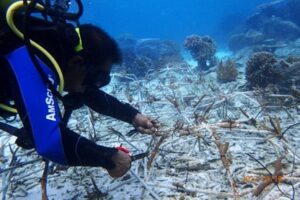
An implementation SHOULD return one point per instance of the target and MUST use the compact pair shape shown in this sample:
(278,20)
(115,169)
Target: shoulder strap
(40,104)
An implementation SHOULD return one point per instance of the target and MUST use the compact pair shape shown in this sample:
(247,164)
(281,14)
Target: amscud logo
(50,103)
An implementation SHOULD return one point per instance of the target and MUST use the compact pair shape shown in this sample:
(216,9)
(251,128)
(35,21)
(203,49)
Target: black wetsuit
(78,150)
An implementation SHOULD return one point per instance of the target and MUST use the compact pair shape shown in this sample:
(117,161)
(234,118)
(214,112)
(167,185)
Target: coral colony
(203,49)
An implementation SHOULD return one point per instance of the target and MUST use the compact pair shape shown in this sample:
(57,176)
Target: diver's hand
(123,163)
(145,125)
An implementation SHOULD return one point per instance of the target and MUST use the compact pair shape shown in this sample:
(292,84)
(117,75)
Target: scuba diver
(32,51)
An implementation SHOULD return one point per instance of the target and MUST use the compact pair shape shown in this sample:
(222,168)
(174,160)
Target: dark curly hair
(98,46)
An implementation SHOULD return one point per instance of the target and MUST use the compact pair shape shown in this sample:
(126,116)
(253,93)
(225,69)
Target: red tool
(121,148)
(134,157)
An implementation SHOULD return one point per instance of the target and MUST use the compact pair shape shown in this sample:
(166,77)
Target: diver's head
(92,65)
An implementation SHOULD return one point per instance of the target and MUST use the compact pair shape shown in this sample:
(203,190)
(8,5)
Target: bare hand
(145,125)
(123,163)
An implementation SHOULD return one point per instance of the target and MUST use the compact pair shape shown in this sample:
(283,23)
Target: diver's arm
(80,151)
(106,104)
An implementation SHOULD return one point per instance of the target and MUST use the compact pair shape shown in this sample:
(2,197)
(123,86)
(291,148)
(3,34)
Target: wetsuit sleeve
(106,104)
(80,151)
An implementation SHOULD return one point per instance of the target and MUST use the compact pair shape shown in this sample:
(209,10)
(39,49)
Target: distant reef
(274,27)
(142,55)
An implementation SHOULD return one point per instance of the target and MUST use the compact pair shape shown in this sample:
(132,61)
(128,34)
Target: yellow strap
(79,46)
(8,108)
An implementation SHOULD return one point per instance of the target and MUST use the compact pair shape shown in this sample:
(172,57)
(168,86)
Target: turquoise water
(169,19)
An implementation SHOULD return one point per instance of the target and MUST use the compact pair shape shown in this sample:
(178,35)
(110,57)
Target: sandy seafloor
(188,164)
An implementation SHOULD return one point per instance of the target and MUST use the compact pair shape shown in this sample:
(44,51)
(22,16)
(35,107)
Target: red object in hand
(121,148)
(133,157)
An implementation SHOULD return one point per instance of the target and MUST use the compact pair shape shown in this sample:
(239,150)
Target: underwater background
(169,19)
(222,78)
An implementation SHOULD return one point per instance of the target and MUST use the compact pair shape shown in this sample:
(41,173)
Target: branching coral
(227,71)
(262,70)
(203,50)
